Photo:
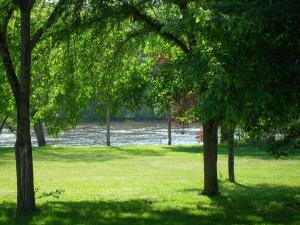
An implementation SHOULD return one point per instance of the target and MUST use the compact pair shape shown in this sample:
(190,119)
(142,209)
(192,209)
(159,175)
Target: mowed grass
(151,185)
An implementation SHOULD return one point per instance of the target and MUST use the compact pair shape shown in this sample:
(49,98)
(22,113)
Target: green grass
(151,185)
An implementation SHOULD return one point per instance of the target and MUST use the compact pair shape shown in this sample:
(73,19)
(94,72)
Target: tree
(230,61)
(21,90)
(171,27)
(253,46)
(21,85)
(182,35)
(230,143)
(39,132)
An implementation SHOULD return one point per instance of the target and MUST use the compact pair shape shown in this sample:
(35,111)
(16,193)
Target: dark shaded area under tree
(271,205)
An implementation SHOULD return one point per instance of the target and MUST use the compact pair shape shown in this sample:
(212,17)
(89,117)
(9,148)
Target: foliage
(6,98)
(288,142)
(117,76)
(281,148)
(253,42)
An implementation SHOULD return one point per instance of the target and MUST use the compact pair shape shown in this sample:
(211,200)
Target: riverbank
(151,185)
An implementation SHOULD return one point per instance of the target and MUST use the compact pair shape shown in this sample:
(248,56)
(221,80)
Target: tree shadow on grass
(100,154)
(273,204)
(138,151)
(240,151)
(137,211)
(185,149)
(72,156)
(260,204)
(92,155)
(6,153)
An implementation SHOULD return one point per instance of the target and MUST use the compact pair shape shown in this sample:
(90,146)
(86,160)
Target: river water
(122,133)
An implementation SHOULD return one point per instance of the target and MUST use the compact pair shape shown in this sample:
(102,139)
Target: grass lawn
(151,185)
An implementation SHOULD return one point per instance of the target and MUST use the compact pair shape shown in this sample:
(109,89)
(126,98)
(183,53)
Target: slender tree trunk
(231,154)
(11,128)
(210,140)
(108,126)
(39,132)
(24,164)
(170,130)
(224,134)
(3,124)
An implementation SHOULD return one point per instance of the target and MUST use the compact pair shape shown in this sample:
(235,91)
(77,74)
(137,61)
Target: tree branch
(3,123)
(52,18)
(183,7)
(3,28)
(6,56)
(155,26)
(131,35)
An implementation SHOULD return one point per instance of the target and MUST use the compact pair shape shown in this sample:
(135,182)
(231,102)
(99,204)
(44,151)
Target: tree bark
(3,124)
(24,164)
(210,140)
(108,126)
(170,130)
(231,154)
(39,132)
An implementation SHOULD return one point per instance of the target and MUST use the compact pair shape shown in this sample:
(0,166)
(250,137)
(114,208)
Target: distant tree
(118,77)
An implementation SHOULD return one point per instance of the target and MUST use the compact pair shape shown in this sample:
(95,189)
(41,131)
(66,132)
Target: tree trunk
(39,132)
(224,134)
(231,155)
(210,140)
(107,126)
(24,164)
(170,130)
(3,124)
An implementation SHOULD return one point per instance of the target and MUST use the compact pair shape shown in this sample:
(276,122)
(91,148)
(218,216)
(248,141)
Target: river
(122,133)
